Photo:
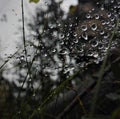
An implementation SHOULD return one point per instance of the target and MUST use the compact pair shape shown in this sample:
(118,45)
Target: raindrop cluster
(90,35)
(67,42)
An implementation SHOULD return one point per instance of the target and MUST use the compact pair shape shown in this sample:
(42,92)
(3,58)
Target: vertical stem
(23,28)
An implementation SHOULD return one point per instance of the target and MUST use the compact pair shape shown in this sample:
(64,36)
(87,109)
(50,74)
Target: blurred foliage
(116,114)
(35,1)
(57,76)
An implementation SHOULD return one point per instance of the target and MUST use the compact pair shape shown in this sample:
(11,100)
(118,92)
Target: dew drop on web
(94,26)
(88,16)
(85,36)
(97,16)
(84,27)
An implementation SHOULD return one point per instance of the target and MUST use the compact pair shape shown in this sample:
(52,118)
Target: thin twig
(23,29)
(24,43)
(8,59)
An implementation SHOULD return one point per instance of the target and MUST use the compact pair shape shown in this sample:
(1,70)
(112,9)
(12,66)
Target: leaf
(35,1)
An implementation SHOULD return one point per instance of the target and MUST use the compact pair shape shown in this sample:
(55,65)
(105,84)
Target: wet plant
(66,61)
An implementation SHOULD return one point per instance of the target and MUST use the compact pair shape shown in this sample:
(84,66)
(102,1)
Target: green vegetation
(69,66)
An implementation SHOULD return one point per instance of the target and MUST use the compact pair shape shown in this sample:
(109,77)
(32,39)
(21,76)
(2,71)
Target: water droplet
(112,18)
(95,55)
(103,22)
(93,26)
(93,9)
(61,36)
(45,55)
(61,42)
(100,46)
(74,34)
(59,24)
(81,50)
(30,80)
(22,57)
(97,16)
(88,16)
(75,40)
(102,8)
(112,1)
(97,3)
(68,34)
(94,43)
(109,14)
(63,51)
(84,27)
(54,50)
(101,32)
(90,53)
(70,25)
(85,35)
(46,3)
(106,35)
(113,24)
(107,22)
